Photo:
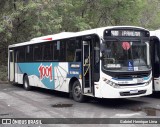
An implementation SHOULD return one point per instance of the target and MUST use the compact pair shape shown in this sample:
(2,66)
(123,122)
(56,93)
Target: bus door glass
(86,66)
(11,66)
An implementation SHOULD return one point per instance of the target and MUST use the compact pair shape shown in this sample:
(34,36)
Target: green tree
(22,20)
(150,14)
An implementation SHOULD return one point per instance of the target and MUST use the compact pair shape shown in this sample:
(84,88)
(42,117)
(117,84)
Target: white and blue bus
(155,55)
(107,62)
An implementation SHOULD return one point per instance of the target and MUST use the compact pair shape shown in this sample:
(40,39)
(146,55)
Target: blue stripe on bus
(32,69)
(74,70)
(122,79)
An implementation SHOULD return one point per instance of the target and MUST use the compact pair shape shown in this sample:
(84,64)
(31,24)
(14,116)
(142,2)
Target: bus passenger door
(86,67)
(11,71)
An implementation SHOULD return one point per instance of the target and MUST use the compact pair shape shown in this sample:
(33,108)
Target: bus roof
(50,37)
(63,35)
(155,33)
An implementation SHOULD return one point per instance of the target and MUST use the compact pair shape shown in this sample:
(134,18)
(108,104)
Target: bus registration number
(133,91)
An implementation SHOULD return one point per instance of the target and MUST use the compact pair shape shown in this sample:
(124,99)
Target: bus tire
(77,92)
(26,83)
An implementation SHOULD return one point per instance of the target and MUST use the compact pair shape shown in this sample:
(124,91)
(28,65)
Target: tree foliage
(21,20)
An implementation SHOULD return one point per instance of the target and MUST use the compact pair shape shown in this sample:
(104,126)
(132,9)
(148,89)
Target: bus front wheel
(26,83)
(77,92)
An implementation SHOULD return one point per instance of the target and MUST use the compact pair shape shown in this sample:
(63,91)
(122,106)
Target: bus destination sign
(124,33)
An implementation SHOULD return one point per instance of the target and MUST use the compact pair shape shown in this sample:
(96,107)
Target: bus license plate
(139,80)
(133,91)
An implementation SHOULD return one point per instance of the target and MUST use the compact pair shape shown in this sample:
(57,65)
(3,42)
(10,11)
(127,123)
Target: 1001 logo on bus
(45,71)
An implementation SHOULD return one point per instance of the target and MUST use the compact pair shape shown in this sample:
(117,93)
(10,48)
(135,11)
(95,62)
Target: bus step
(88,94)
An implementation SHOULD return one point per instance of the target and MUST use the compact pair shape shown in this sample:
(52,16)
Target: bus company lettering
(45,71)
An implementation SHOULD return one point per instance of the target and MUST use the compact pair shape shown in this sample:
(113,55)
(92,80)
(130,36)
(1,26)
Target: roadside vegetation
(21,20)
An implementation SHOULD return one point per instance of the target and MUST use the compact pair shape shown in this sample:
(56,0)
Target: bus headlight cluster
(115,85)
(147,83)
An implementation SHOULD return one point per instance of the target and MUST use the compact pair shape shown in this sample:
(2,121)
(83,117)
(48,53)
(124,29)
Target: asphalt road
(15,102)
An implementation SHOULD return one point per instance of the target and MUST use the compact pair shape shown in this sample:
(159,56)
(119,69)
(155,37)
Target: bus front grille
(131,94)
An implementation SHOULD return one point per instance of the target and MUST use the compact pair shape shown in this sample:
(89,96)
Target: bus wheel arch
(71,82)
(26,84)
(75,90)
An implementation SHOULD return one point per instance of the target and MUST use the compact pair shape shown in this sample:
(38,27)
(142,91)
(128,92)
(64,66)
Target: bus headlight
(147,83)
(113,84)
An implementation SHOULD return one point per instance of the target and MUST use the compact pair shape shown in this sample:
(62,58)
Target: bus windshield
(125,56)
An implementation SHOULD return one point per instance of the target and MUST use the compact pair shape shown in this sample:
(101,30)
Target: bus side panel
(18,74)
(11,74)
(49,75)
(64,72)
(60,77)
(40,74)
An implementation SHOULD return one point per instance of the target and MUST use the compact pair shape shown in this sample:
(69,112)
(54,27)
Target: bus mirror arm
(102,47)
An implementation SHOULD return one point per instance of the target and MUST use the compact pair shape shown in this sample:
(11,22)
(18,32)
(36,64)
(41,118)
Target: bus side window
(48,52)
(74,50)
(63,50)
(56,51)
(38,50)
(77,57)
(29,53)
(21,54)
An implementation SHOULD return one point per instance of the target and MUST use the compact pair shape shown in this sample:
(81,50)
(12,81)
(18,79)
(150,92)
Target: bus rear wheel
(26,83)
(77,92)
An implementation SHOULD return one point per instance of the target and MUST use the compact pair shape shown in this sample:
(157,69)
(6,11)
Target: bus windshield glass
(125,56)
